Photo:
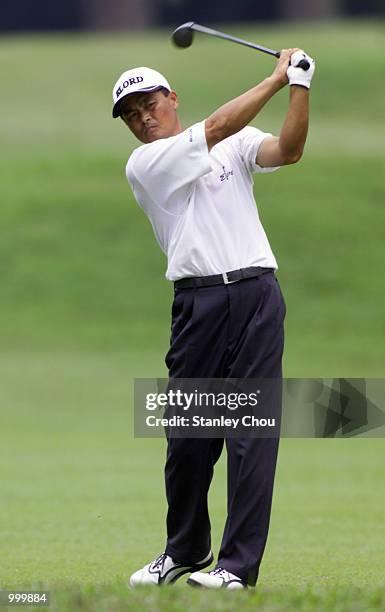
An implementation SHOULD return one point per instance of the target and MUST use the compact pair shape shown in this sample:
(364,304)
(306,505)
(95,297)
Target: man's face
(151,116)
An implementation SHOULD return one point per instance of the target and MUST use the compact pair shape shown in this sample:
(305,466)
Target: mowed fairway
(84,309)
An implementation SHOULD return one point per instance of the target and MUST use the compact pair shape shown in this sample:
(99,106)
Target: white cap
(136,80)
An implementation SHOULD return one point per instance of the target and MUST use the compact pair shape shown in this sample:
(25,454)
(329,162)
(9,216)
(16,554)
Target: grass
(84,309)
(83,501)
(79,263)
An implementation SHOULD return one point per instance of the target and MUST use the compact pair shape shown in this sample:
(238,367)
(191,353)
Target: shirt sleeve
(249,141)
(166,170)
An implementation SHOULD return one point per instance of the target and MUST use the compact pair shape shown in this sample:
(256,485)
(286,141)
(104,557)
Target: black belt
(220,279)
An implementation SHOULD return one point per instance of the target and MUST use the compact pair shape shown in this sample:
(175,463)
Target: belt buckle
(226,280)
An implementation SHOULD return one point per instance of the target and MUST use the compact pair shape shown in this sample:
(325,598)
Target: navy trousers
(224,331)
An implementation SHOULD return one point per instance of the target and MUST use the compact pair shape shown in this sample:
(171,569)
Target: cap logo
(126,84)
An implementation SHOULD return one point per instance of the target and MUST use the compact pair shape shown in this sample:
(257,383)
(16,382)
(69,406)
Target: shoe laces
(218,571)
(159,561)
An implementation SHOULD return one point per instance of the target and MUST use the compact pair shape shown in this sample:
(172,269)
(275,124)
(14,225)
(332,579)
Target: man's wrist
(299,87)
(276,82)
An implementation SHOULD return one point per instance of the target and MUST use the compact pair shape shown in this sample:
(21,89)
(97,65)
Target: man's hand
(280,72)
(298,76)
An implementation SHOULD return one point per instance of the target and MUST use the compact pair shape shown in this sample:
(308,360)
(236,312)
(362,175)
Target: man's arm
(236,114)
(288,148)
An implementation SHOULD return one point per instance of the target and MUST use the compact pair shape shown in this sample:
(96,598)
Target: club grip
(304,64)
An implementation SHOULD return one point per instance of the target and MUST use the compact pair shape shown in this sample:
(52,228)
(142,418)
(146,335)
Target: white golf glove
(299,76)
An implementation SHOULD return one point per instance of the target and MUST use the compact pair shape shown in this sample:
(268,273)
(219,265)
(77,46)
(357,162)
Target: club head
(183,36)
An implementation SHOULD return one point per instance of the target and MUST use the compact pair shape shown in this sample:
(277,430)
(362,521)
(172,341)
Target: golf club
(183,37)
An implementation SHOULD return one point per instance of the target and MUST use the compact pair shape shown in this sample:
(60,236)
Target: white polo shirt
(200,203)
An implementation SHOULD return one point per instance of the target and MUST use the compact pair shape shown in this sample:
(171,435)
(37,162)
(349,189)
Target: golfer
(196,187)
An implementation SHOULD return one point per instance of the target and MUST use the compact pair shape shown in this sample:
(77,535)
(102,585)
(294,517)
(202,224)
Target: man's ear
(174,99)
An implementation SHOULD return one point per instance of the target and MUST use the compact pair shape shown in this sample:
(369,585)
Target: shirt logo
(226,174)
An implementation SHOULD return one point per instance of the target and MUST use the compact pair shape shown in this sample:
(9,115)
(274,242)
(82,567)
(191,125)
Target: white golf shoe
(164,570)
(218,578)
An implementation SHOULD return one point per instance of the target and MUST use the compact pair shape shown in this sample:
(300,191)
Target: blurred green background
(84,308)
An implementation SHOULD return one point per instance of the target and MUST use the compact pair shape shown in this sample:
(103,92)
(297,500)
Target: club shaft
(240,41)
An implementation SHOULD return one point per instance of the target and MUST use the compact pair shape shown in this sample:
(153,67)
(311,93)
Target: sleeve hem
(201,135)
(256,167)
